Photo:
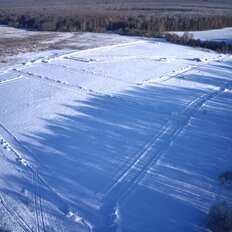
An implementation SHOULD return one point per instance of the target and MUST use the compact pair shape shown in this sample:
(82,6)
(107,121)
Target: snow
(125,137)
(48,44)
(218,35)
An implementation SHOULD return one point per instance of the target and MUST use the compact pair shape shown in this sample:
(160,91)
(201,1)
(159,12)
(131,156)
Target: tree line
(134,25)
(137,17)
(188,39)
(127,17)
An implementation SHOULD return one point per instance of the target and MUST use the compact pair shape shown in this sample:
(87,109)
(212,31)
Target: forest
(146,18)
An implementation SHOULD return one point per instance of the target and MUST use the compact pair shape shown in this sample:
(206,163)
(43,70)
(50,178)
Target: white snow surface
(127,137)
(218,35)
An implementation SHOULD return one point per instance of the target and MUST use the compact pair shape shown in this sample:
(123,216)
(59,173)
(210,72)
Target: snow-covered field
(128,137)
(218,35)
(16,44)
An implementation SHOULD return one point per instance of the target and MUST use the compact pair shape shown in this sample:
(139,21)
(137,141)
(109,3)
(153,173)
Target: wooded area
(148,17)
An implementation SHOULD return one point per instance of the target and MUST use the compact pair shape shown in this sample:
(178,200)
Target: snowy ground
(128,137)
(16,44)
(213,35)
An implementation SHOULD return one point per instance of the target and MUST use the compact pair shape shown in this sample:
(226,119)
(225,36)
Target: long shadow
(87,151)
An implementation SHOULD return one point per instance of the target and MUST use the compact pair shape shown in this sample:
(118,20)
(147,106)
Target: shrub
(225,177)
(187,39)
(220,217)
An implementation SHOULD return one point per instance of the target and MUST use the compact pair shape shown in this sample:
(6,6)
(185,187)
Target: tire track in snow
(71,70)
(16,217)
(150,154)
(56,82)
(37,179)
(38,204)
(180,72)
(140,158)
(10,80)
(80,89)
(20,161)
(163,78)
(104,48)
(62,84)
(37,198)
(67,55)
(40,226)
(171,131)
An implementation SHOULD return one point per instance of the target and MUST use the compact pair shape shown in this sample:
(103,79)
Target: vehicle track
(10,80)
(168,77)
(180,72)
(16,217)
(36,188)
(38,204)
(72,70)
(37,179)
(82,90)
(152,152)
(56,82)
(144,159)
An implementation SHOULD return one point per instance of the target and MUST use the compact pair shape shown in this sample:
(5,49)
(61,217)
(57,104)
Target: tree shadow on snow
(84,153)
